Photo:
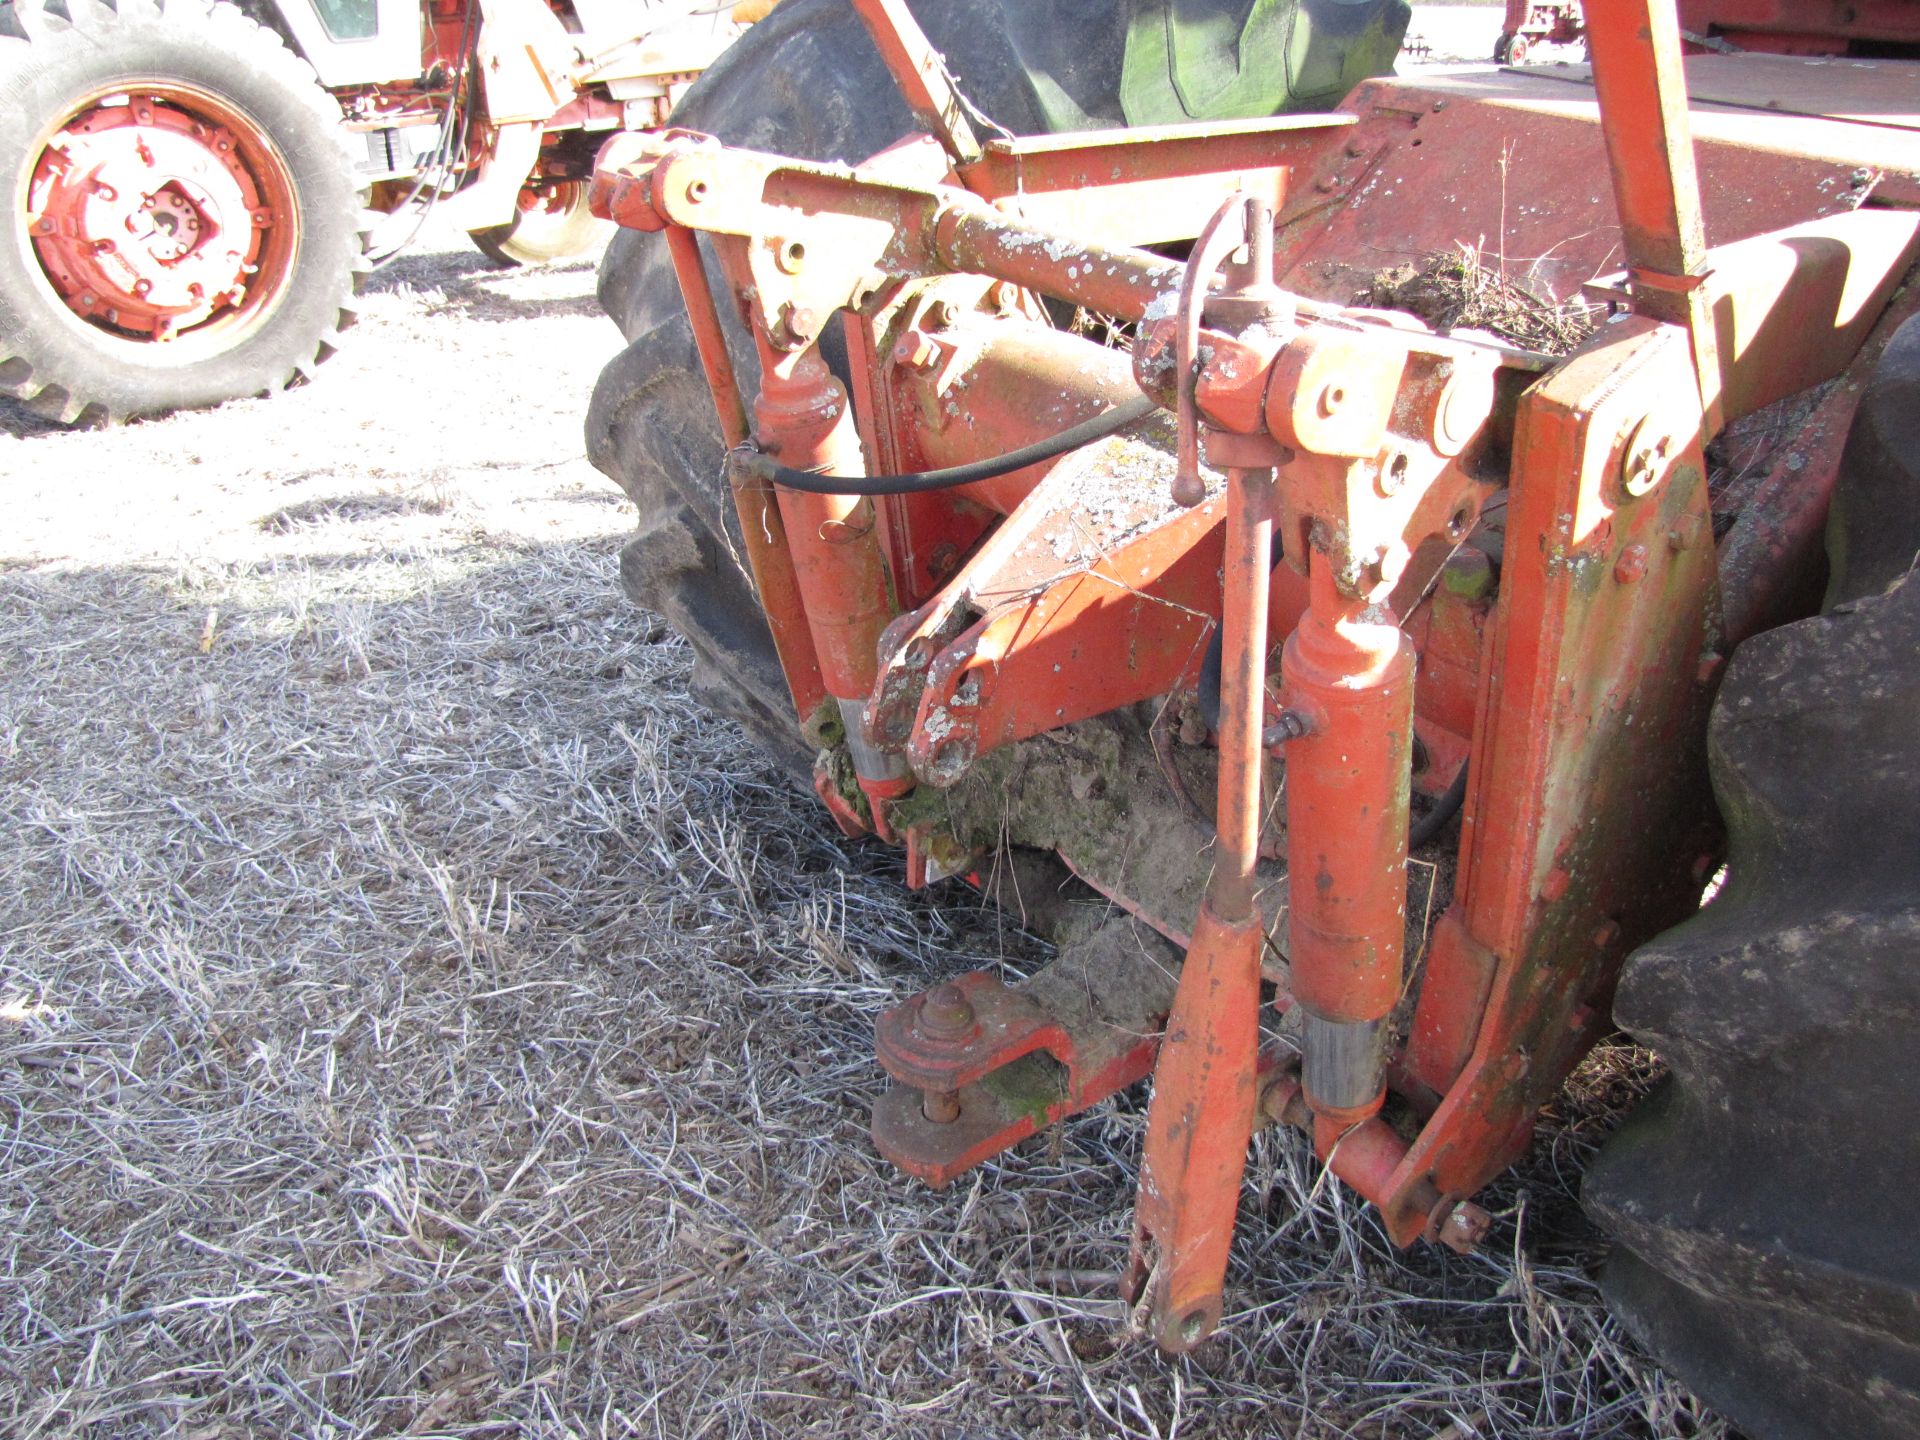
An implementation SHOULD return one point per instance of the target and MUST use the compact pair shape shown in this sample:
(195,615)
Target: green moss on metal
(1030,1086)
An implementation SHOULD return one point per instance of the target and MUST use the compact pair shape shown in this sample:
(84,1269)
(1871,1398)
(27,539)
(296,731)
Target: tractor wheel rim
(160,212)
(555,199)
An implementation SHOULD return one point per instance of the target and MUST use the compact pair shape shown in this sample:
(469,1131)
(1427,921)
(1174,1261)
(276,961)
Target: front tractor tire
(184,222)
(551,222)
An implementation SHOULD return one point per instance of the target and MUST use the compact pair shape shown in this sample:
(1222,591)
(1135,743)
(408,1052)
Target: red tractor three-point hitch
(1227,621)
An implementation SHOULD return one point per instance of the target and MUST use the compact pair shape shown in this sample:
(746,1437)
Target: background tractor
(188,180)
(1111,518)
(1528,24)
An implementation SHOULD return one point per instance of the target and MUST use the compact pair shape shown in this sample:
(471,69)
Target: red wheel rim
(550,197)
(160,212)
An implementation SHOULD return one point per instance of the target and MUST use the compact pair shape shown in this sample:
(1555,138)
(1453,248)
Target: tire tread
(27,24)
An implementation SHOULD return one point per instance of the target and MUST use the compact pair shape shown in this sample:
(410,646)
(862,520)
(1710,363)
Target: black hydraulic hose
(1107,422)
(1429,825)
(447,149)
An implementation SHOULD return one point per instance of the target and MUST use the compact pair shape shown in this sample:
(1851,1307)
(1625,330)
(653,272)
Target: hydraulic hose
(1108,422)
(1429,825)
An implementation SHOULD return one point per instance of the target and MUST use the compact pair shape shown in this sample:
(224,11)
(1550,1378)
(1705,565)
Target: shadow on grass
(22,424)
(478,288)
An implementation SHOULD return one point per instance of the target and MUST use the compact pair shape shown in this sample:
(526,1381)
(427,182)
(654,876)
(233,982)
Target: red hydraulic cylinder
(801,417)
(1348,676)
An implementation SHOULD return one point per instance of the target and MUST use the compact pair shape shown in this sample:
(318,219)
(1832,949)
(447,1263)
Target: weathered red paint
(802,418)
(1577,685)
(1205,1088)
(1799,27)
(163,215)
(922,76)
(1348,671)
(708,336)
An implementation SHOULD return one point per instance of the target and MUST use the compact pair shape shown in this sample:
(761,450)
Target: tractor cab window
(348,19)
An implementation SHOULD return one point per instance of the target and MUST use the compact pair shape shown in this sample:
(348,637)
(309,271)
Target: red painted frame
(1588,826)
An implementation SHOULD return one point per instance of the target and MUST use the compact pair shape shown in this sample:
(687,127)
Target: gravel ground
(416,1018)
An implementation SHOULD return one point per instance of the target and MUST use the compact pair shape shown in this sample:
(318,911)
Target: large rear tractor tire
(1762,1198)
(184,225)
(805,81)
(551,222)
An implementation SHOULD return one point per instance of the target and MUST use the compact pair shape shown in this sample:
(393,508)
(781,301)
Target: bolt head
(945,1013)
(795,328)
(1465,1227)
(917,350)
(1687,533)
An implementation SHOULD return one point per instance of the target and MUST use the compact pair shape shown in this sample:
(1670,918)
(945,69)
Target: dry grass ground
(416,1018)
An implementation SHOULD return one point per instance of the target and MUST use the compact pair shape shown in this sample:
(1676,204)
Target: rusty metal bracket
(982,1065)
(1095,562)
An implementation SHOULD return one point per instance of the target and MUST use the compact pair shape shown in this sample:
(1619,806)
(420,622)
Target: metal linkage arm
(1642,85)
(921,75)
(826,236)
